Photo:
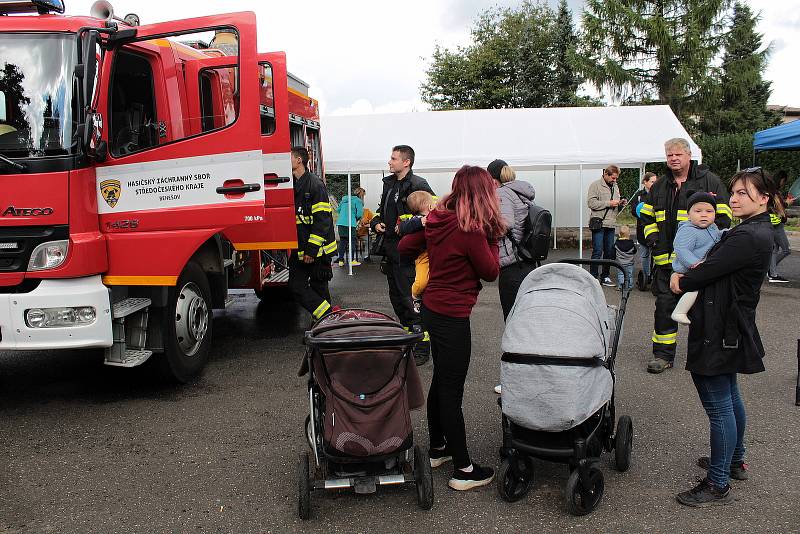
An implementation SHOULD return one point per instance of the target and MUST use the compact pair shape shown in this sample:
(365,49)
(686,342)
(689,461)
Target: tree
(515,61)
(740,95)
(653,50)
(566,77)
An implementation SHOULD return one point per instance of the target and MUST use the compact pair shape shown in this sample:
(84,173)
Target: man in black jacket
(639,198)
(310,265)
(392,210)
(663,210)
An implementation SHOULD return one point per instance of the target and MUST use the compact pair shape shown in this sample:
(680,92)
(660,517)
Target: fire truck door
(278,230)
(167,169)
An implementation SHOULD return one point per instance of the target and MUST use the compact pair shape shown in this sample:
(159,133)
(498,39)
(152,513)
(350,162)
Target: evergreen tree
(566,79)
(740,96)
(653,50)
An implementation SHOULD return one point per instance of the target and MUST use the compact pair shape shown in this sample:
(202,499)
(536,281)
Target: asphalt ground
(89,448)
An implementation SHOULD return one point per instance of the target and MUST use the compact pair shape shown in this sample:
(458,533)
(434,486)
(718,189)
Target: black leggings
(451,345)
(511,277)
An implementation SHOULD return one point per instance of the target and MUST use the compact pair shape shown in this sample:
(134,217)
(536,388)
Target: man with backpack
(400,272)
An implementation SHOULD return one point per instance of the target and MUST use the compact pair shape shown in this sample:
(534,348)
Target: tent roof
(525,138)
(783,137)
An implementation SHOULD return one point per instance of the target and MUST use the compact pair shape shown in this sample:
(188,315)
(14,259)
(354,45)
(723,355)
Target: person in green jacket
(351,208)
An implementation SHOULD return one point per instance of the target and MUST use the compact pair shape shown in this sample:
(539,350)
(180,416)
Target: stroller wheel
(423,477)
(515,477)
(623,443)
(303,487)
(583,497)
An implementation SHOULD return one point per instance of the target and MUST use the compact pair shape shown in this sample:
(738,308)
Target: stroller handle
(363,342)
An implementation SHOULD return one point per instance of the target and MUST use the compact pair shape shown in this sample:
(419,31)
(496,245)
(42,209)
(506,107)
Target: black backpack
(535,243)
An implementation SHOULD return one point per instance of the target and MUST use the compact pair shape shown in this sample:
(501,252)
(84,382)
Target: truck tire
(187,326)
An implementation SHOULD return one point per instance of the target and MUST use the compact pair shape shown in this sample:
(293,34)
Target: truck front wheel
(187,325)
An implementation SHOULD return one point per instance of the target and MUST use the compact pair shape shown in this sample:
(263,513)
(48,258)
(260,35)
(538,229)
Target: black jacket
(723,337)
(393,209)
(314,217)
(665,207)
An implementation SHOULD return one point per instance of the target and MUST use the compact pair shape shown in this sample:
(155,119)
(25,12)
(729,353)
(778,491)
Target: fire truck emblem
(111,190)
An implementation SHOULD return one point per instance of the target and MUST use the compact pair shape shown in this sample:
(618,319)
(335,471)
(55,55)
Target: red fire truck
(144,172)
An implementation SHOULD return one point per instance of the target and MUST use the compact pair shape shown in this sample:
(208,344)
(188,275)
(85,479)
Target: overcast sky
(365,56)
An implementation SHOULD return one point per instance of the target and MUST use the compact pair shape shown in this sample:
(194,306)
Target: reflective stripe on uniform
(724,209)
(321,309)
(661,215)
(321,206)
(661,259)
(330,248)
(665,339)
(647,209)
(405,217)
(299,219)
(682,215)
(774,219)
(314,239)
(650,228)
(426,337)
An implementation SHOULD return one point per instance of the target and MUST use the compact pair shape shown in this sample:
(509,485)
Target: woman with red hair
(461,236)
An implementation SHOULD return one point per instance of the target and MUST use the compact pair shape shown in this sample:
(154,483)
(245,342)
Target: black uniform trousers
(311,293)
(400,277)
(665,330)
(511,277)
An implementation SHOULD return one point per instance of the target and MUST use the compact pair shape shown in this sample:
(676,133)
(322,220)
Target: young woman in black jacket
(723,338)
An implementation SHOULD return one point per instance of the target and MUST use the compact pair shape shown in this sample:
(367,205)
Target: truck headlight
(48,255)
(60,317)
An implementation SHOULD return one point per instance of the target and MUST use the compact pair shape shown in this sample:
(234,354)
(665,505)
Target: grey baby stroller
(557,376)
(362,384)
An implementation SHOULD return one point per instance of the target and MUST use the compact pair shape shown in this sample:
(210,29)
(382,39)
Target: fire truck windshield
(38,100)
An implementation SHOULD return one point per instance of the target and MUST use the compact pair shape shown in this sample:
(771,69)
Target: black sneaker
(778,279)
(439,456)
(737,471)
(706,494)
(422,352)
(606,281)
(479,476)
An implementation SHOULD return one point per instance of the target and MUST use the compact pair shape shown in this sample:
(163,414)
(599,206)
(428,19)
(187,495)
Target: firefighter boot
(422,349)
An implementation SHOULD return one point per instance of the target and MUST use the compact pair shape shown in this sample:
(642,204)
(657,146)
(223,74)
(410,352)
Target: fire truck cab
(144,171)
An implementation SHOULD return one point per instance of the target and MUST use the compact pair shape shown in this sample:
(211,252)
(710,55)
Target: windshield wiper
(18,166)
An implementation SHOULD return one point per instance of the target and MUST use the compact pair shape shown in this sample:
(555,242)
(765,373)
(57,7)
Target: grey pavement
(87,448)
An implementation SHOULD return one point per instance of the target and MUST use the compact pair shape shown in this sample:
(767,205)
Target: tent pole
(580,212)
(555,227)
(350,226)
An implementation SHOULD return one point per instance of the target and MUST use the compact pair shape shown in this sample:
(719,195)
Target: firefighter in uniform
(310,265)
(663,209)
(400,271)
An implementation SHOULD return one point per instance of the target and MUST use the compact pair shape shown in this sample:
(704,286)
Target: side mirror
(89,50)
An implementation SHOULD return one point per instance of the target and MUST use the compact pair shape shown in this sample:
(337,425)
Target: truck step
(132,358)
(281,276)
(128,306)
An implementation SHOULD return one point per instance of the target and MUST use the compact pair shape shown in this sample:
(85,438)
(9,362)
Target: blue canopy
(783,137)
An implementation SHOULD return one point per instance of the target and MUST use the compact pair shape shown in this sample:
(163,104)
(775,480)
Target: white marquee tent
(559,150)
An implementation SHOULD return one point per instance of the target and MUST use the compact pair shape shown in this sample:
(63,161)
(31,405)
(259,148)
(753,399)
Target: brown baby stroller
(362,385)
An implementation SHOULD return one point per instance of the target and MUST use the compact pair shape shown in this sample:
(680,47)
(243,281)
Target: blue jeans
(621,276)
(602,248)
(644,255)
(342,248)
(725,409)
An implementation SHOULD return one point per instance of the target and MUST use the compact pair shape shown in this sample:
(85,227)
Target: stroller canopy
(560,312)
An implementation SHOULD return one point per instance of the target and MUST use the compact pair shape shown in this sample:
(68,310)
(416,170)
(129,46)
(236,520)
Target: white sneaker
(498,389)
(681,318)
(607,282)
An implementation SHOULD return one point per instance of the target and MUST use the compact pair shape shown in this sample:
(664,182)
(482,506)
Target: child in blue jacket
(693,240)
